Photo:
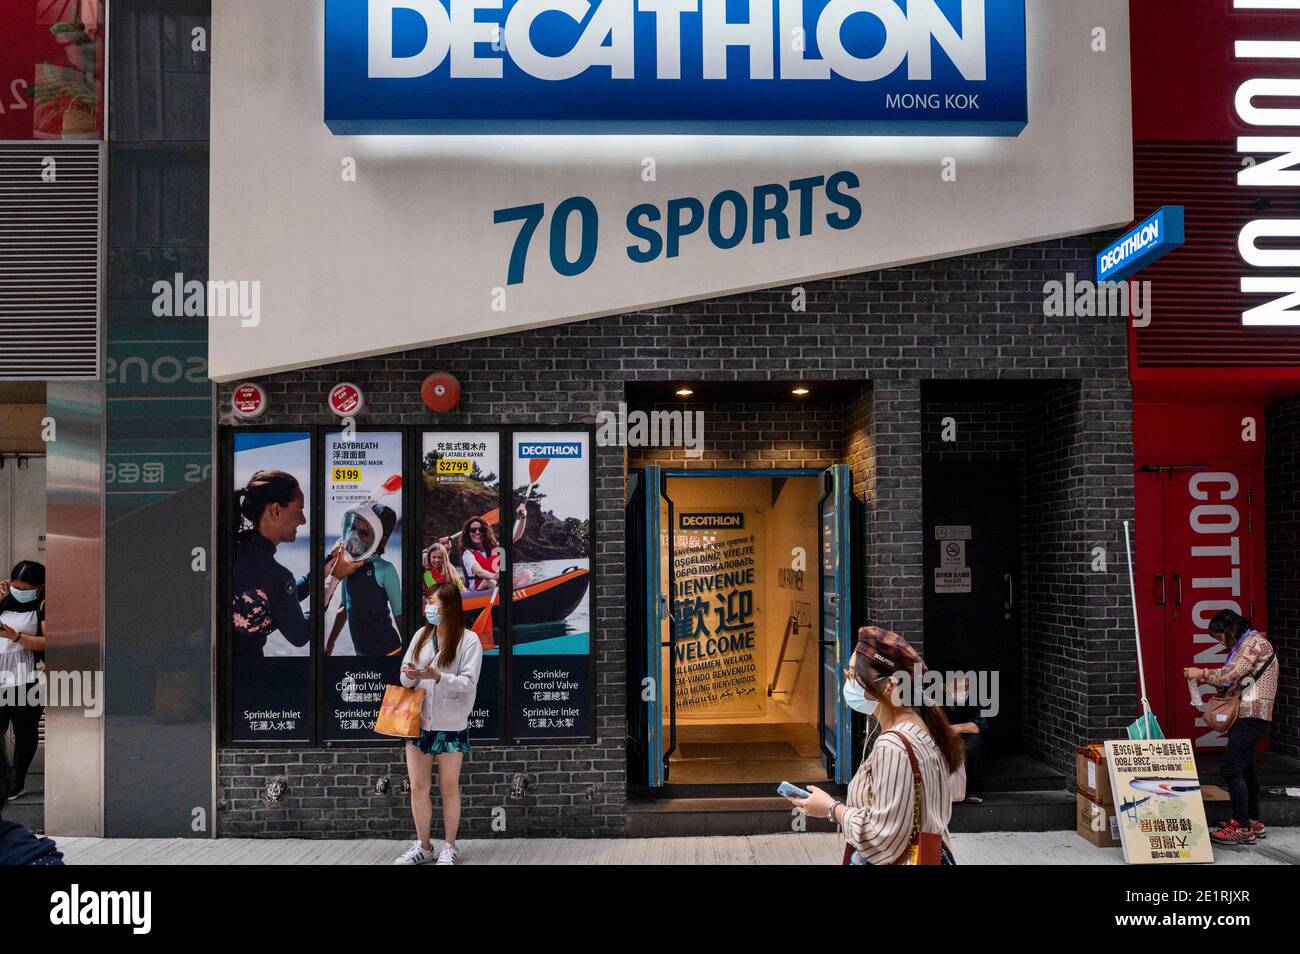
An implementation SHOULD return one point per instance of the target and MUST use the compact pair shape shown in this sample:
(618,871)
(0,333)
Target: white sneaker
(448,854)
(415,855)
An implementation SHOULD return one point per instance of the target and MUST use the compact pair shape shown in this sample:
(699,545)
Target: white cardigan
(449,700)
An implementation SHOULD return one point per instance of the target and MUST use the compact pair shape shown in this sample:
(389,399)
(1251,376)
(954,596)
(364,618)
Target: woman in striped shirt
(877,820)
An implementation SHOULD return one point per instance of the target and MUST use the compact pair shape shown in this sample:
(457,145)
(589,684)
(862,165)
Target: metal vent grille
(49,260)
(1197,300)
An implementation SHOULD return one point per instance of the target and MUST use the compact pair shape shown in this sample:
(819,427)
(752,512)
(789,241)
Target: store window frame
(412,595)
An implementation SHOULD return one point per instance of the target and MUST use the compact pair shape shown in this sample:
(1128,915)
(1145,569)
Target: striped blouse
(878,819)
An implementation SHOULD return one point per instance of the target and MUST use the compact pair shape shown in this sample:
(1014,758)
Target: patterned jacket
(1247,656)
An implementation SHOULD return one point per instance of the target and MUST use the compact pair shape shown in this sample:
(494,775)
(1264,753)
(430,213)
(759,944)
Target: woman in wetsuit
(371,606)
(265,594)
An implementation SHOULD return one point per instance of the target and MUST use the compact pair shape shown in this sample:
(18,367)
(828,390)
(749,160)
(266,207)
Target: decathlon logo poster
(882,67)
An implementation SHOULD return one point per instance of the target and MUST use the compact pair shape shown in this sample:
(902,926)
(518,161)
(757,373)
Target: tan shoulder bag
(1223,708)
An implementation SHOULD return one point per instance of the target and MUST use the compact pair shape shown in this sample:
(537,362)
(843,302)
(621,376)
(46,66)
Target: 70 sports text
(730,218)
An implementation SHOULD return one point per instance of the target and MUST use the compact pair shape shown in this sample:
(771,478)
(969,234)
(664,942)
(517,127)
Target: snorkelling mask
(363,531)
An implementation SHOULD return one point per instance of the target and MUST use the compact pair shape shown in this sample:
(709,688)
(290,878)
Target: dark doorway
(971,517)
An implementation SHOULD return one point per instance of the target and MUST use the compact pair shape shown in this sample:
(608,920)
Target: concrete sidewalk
(993,848)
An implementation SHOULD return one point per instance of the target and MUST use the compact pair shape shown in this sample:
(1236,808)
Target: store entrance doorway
(740,625)
(22,563)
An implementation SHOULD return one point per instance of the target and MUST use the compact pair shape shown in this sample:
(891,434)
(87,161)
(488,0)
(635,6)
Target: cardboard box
(1097,823)
(1091,775)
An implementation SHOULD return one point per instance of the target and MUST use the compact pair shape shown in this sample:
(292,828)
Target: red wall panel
(51,69)
(1185,79)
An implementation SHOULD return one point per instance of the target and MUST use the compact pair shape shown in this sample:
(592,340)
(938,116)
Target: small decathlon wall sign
(854,67)
(1151,240)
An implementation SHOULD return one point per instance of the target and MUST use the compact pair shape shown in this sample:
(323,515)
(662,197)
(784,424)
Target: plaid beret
(887,649)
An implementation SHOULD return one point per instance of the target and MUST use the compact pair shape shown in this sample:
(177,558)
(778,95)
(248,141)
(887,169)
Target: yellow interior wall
(791,523)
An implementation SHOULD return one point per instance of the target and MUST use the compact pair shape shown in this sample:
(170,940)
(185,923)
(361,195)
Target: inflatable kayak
(544,601)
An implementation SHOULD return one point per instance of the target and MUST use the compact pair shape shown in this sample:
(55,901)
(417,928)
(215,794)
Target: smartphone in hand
(786,789)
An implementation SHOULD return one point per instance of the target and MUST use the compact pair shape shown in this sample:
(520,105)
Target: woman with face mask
(22,638)
(444,660)
(1251,669)
(914,744)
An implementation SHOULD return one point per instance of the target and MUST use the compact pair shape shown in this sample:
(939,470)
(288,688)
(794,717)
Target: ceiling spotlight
(684,392)
(800,391)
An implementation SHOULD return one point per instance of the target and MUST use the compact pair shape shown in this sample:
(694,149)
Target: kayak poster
(365,631)
(271,634)
(551,663)
(718,601)
(460,533)
(1158,802)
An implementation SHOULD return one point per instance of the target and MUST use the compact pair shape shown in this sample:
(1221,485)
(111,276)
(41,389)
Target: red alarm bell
(441,392)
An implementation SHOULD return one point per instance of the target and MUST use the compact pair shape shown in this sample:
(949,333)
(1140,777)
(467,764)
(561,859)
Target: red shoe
(1258,830)
(1232,833)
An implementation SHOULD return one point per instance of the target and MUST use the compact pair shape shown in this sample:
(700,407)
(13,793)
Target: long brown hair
(451,628)
(873,674)
(489,538)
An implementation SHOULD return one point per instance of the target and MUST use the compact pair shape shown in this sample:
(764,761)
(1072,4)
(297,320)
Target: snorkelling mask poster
(271,633)
(461,529)
(550,629)
(365,633)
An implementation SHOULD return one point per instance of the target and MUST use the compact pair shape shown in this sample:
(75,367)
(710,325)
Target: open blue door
(656,615)
(836,639)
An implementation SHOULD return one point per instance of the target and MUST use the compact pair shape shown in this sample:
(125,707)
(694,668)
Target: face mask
(432,613)
(24,596)
(856,699)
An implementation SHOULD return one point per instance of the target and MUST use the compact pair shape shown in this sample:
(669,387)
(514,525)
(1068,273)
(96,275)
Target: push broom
(1145,726)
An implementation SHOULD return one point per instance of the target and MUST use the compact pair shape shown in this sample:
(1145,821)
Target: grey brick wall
(756,435)
(987,430)
(1282,525)
(973,318)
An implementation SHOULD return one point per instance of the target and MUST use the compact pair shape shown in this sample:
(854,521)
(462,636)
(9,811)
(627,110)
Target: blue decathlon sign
(854,67)
(531,449)
(1154,238)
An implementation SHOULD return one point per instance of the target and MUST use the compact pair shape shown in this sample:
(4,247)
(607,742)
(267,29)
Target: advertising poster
(1158,802)
(52,69)
(718,599)
(551,691)
(460,532)
(270,635)
(365,632)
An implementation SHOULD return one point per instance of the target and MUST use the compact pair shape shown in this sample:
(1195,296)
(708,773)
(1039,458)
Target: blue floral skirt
(435,743)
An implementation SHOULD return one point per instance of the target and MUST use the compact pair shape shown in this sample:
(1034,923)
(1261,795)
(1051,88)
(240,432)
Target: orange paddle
(483,625)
